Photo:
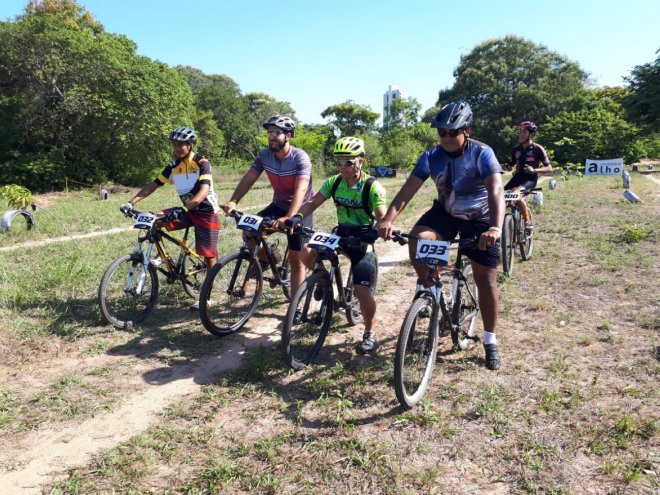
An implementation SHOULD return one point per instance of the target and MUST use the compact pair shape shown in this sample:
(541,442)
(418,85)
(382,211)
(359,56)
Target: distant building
(392,92)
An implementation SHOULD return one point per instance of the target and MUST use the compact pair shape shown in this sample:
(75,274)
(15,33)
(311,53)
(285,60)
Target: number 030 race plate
(324,242)
(432,252)
(250,223)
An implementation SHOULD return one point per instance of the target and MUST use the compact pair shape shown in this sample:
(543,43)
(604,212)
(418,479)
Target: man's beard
(276,146)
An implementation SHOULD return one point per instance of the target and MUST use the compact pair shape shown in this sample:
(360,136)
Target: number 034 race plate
(324,242)
(432,252)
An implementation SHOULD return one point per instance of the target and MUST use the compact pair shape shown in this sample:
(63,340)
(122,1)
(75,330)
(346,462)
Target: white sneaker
(194,306)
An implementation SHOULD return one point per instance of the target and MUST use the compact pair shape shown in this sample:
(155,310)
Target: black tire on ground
(527,242)
(508,244)
(416,351)
(120,305)
(466,306)
(303,334)
(230,293)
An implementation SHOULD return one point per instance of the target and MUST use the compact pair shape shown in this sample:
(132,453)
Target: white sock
(490,338)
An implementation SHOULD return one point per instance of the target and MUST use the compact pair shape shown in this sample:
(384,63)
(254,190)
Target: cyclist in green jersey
(351,188)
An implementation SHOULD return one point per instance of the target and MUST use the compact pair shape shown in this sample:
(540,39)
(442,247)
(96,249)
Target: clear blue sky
(314,54)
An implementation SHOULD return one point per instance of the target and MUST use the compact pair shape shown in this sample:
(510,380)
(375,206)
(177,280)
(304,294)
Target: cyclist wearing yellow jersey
(191,174)
(351,188)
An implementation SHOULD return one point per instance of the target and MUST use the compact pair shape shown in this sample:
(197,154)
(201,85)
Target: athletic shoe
(492,356)
(368,344)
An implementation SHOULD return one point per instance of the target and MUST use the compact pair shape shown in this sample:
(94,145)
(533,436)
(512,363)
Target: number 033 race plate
(432,252)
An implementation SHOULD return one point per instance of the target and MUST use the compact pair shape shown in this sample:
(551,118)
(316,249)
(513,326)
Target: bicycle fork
(146,256)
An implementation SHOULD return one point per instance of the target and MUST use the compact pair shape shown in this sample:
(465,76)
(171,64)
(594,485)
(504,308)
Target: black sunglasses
(450,132)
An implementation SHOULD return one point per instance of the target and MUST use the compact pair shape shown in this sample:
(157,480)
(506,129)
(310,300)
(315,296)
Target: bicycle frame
(154,237)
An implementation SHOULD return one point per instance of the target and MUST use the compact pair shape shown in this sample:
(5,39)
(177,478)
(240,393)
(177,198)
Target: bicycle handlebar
(400,237)
(368,237)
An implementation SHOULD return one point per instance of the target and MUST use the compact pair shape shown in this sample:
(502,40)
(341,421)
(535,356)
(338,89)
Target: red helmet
(530,126)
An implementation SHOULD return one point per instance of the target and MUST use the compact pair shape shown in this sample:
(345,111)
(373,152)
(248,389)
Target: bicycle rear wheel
(527,241)
(230,293)
(119,300)
(466,307)
(508,244)
(307,320)
(194,270)
(415,354)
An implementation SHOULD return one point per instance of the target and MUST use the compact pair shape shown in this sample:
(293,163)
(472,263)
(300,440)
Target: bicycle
(309,316)
(431,312)
(515,231)
(232,290)
(129,287)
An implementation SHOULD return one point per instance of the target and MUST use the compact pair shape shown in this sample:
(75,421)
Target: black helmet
(185,134)
(283,122)
(530,126)
(455,115)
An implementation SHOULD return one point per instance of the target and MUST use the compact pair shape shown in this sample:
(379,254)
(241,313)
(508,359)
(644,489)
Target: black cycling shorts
(295,242)
(522,179)
(438,220)
(363,260)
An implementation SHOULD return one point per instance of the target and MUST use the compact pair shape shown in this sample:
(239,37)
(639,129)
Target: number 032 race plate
(144,221)
(432,252)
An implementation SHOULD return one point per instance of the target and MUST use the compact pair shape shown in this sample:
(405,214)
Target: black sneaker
(492,356)
(297,317)
(368,344)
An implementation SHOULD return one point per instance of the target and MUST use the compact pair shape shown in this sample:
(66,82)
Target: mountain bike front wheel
(527,242)
(465,308)
(415,354)
(508,244)
(307,320)
(230,293)
(120,300)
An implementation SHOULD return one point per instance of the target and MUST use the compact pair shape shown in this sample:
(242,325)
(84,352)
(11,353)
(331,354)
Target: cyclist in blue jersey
(470,201)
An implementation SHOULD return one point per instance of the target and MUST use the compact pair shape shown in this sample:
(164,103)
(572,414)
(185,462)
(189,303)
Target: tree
(643,103)
(78,103)
(350,118)
(591,133)
(402,113)
(511,79)
(261,106)
(401,149)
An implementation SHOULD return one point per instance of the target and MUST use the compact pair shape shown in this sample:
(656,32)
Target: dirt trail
(40,455)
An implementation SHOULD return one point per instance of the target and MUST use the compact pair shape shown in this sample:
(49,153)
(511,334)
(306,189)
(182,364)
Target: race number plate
(144,221)
(324,242)
(512,196)
(432,252)
(250,223)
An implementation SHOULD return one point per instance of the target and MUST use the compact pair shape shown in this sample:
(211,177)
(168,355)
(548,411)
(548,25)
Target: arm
(307,208)
(199,197)
(145,191)
(496,208)
(246,183)
(400,201)
(298,197)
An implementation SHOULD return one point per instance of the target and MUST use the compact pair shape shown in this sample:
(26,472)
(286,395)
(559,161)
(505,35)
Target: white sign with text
(613,166)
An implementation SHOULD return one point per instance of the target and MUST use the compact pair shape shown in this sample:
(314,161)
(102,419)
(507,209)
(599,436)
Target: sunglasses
(449,132)
(275,133)
(345,163)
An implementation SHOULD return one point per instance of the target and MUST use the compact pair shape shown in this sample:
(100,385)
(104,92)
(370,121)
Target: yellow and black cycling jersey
(188,174)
